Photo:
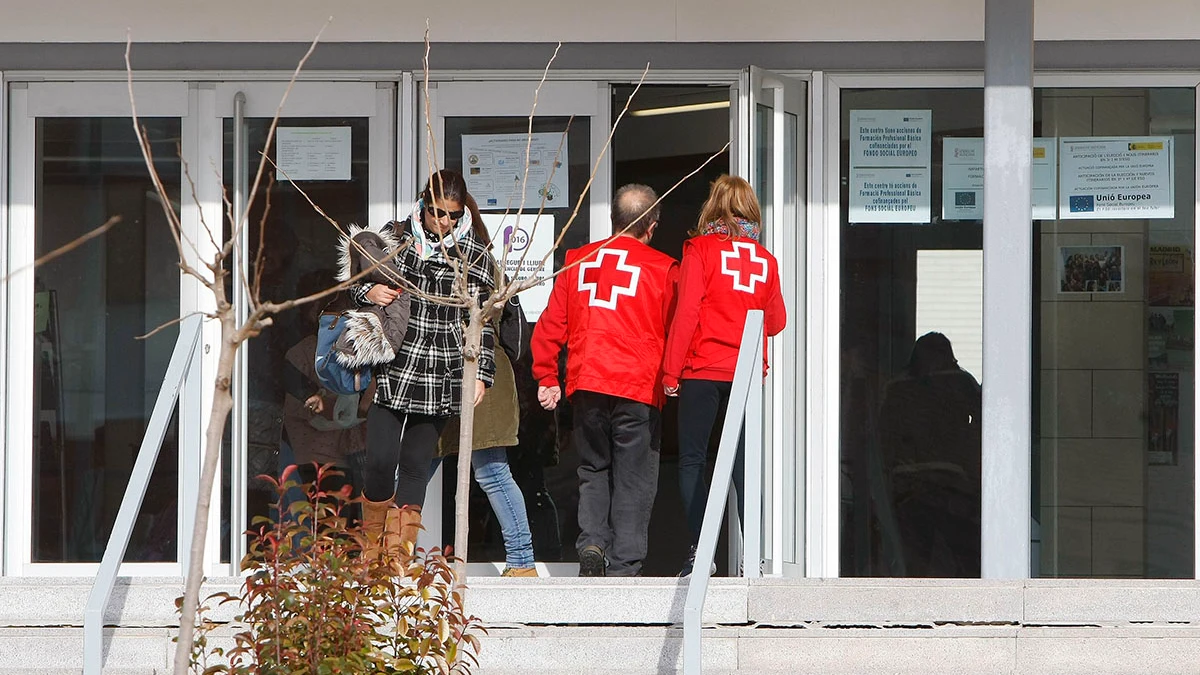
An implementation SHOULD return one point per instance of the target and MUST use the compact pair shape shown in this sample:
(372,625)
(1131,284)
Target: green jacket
(496,417)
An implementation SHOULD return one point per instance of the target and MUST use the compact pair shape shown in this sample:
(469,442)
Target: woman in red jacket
(725,274)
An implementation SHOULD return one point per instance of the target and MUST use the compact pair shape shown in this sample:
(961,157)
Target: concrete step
(585,626)
(590,650)
(53,650)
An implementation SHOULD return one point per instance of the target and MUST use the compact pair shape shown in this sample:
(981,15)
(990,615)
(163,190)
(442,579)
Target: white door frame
(786,386)
(375,101)
(29,101)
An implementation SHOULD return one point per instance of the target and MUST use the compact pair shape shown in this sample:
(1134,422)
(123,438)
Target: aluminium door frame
(27,101)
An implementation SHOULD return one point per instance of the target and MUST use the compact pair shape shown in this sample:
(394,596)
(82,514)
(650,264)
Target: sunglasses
(442,213)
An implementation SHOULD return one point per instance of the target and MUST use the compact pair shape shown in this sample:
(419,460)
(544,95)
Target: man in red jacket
(610,307)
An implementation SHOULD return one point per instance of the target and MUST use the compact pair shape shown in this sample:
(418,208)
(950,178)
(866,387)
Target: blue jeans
(494,477)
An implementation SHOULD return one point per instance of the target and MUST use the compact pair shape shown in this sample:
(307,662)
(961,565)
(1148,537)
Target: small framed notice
(312,153)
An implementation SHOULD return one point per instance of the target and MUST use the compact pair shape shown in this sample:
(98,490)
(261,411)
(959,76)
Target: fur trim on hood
(363,343)
(390,240)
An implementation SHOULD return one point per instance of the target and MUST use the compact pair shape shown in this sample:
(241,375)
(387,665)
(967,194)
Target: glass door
(334,145)
(81,381)
(483,130)
(771,154)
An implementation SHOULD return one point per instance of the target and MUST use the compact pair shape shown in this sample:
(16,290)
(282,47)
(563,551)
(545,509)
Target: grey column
(1008,286)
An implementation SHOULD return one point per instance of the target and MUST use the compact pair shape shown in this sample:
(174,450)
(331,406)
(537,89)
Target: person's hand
(549,397)
(381,295)
(670,386)
(315,404)
(480,389)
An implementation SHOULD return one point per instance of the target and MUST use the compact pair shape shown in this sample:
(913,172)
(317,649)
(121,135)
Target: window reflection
(1114,372)
(912,328)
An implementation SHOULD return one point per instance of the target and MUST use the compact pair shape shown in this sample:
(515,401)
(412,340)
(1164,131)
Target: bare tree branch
(537,92)
(256,289)
(172,322)
(262,164)
(389,272)
(66,248)
(542,206)
(187,174)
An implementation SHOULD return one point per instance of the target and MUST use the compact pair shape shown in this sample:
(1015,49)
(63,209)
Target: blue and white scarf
(426,245)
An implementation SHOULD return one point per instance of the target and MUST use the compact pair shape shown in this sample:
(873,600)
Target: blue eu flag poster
(1083,203)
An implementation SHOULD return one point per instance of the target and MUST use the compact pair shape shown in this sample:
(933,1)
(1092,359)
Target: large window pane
(1114,306)
(911,335)
(95,383)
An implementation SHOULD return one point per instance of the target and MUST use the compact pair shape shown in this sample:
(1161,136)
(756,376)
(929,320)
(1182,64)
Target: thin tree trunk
(221,406)
(473,343)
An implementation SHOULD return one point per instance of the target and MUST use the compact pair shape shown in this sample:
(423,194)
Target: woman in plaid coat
(419,391)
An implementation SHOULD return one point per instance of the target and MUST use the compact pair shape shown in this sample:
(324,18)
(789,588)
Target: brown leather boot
(409,525)
(391,533)
(375,516)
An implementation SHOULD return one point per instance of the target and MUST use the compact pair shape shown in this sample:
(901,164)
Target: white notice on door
(890,154)
(523,242)
(962,179)
(312,153)
(1130,177)
(496,166)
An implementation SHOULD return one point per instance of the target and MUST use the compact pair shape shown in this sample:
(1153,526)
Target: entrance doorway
(670,131)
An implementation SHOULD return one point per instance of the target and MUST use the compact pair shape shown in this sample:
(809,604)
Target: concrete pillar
(1008,287)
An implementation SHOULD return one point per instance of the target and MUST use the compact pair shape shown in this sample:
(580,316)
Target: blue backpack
(333,375)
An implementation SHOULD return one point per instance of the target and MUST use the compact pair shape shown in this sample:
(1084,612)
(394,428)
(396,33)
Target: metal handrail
(743,412)
(93,615)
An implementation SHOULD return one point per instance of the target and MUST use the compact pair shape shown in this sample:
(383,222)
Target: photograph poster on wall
(890,159)
(1091,269)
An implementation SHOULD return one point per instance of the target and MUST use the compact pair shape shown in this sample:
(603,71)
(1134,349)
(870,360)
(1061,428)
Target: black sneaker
(691,562)
(591,562)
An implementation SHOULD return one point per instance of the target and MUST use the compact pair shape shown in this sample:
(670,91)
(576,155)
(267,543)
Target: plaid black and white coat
(426,376)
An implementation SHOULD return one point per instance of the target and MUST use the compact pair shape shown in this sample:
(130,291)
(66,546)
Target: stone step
(647,650)
(53,650)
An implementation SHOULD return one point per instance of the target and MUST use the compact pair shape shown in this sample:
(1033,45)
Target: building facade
(861,125)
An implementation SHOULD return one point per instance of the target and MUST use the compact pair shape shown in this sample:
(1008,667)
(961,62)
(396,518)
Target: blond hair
(729,197)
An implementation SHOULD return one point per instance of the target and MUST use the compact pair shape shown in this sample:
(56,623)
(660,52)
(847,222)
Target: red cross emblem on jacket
(607,277)
(743,263)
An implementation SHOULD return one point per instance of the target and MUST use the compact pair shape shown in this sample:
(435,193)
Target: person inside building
(930,435)
(319,426)
(419,391)
(725,273)
(610,307)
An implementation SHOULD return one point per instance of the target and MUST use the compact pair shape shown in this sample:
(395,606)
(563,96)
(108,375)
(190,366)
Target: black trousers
(700,403)
(400,450)
(618,442)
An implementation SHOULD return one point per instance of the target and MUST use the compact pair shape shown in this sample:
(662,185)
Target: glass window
(911,331)
(95,382)
(1114,338)
(1113,345)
